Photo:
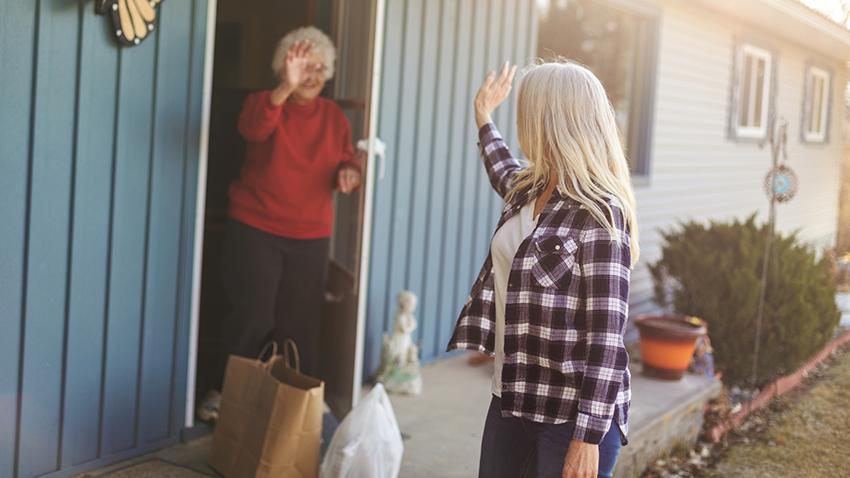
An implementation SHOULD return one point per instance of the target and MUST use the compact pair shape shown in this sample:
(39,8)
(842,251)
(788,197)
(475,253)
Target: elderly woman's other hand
(348,179)
(492,93)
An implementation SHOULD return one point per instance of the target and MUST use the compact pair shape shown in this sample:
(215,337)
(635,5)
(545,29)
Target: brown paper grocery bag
(270,420)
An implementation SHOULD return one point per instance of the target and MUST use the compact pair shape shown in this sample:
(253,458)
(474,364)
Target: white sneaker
(208,411)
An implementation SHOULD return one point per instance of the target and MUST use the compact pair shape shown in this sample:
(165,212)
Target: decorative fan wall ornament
(133,20)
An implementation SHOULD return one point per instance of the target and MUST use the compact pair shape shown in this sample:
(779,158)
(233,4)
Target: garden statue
(400,371)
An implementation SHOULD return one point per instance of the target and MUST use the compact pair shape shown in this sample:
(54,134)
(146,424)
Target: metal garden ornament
(780,185)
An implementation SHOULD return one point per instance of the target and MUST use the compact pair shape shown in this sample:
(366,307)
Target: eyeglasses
(316,68)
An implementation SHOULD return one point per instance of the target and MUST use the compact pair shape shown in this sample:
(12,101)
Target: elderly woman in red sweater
(298,152)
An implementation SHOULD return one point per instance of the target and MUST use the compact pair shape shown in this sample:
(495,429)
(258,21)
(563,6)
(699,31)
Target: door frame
(200,211)
(376,32)
(376,56)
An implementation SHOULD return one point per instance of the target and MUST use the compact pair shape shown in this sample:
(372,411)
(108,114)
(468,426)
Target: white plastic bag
(367,443)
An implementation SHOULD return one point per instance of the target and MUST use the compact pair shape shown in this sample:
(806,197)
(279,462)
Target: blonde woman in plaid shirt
(551,300)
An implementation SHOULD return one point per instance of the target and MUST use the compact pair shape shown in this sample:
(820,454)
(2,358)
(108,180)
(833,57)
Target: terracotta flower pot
(667,344)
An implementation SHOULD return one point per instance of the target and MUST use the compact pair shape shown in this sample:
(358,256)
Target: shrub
(714,272)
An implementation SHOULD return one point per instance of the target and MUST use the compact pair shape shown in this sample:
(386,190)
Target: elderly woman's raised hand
(493,92)
(294,72)
(297,62)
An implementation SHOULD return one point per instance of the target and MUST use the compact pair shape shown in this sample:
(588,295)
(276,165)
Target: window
(618,43)
(816,105)
(753,92)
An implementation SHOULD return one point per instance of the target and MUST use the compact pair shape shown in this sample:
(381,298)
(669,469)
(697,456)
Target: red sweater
(291,161)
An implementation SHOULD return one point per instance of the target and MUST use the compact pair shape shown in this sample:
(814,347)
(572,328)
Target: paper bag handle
(289,346)
(273,345)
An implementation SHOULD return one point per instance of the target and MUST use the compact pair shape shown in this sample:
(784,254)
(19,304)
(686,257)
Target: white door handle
(379,149)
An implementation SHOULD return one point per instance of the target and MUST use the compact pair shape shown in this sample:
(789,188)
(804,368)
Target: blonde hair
(565,124)
(321,43)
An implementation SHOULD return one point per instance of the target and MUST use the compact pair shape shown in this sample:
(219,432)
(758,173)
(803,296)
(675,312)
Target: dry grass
(807,439)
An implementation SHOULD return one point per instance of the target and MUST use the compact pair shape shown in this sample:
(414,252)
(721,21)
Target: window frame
(811,72)
(641,136)
(646,61)
(744,49)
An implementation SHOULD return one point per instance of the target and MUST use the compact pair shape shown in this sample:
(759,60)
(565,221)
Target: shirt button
(557,247)
(510,284)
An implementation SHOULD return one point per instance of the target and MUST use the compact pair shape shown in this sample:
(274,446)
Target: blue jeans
(516,447)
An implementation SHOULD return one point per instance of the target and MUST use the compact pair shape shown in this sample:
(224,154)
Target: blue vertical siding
(422,158)
(87,288)
(98,173)
(438,175)
(403,151)
(457,144)
(164,209)
(17,24)
(471,214)
(131,184)
(434,210)
(51,182)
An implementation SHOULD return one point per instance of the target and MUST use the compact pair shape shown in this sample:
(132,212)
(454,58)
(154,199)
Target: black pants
(276,289)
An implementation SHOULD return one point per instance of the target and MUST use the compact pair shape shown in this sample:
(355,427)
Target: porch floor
(442,427)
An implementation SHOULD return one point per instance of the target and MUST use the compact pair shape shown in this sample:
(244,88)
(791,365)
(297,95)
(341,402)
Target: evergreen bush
(714,271)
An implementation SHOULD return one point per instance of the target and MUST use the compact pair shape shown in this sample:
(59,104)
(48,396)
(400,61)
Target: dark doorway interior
(247,32)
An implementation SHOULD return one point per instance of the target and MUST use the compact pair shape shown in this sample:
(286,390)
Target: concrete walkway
(442,427)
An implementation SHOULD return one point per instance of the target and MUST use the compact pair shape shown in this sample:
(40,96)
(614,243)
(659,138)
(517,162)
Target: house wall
(696,171)
(98,178)
(434,210)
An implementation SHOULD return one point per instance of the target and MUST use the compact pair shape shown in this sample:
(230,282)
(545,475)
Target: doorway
(246,35)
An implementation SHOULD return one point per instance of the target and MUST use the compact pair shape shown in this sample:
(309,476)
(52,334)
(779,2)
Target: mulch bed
(758,434)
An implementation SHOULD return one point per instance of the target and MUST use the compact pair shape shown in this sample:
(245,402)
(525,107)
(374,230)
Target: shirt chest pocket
(553,261)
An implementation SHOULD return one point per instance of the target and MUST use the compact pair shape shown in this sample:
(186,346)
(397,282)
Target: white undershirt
(503,248)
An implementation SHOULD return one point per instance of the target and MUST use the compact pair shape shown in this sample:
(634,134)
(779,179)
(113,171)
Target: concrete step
(664,415)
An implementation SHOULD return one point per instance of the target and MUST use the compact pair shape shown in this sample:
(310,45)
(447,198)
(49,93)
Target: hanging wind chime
(132,20)
(780,185)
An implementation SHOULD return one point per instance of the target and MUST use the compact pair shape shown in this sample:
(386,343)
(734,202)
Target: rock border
(777,388)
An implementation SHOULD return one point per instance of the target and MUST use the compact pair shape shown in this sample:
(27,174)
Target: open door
(246,33)
(358,31)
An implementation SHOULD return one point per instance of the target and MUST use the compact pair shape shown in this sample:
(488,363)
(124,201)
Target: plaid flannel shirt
(565,311)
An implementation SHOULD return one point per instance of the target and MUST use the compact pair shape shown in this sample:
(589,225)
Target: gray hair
(321,43)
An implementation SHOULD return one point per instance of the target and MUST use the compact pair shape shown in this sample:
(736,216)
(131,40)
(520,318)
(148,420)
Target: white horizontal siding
(696,172)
